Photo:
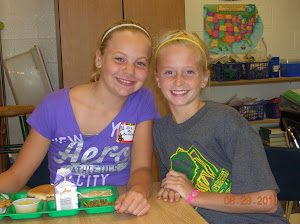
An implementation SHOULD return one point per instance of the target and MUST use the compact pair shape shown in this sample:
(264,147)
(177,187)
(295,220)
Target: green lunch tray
(48,207)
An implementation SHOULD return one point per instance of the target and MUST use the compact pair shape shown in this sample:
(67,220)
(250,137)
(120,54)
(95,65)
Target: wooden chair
(285,166)
(16,111)
(41,175)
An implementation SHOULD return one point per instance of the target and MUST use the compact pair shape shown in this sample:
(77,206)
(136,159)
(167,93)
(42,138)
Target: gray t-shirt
(219,151)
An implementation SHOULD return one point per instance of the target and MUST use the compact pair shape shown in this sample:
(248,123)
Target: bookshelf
(265,121)
(255,81)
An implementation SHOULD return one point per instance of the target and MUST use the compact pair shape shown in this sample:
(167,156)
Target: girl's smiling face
(180,75)
(124,64)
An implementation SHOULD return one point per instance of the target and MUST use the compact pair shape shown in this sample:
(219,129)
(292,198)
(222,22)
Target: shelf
(265,121)
(255,81)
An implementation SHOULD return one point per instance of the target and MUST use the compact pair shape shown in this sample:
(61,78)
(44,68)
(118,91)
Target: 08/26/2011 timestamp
(250,201)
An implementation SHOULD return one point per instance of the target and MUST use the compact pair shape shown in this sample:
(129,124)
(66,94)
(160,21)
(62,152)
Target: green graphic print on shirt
(204,175)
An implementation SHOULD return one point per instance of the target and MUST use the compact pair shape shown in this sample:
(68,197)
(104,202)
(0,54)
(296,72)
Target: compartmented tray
(48,207)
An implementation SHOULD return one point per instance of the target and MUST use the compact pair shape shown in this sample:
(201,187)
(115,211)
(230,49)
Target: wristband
(193,195)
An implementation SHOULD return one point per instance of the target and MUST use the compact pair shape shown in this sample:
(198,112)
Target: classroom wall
(281,34)
(280,19)
(32,22)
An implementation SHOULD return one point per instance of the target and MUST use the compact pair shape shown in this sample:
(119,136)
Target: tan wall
(282,36)
(280,18)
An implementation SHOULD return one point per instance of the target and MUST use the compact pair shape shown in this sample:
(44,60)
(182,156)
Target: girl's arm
(255,202)
(28,160)
(141,159)
(140,180)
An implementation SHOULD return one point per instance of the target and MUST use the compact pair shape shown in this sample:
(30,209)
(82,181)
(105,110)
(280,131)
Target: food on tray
(98,203)
(43,192)
(26,205)
(96,193)
(4,203)
(26,202)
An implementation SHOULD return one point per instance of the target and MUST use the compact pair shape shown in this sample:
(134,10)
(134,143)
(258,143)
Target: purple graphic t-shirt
(96,160)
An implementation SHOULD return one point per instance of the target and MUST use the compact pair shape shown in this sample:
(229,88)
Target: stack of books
(273,137)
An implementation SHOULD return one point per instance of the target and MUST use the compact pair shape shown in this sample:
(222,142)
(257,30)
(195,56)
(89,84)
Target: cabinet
(80,23)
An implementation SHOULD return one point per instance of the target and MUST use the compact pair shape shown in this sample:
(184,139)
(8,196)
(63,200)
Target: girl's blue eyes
(189,72)
(138,63)
(119,59)
(141,63)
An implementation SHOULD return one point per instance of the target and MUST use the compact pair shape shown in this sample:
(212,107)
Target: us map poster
(232,28)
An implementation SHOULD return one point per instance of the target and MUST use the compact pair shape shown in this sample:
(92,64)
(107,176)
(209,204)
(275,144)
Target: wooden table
(160,212)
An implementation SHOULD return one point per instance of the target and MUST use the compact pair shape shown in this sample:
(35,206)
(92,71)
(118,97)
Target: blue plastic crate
(290,69)
(252,112)
(275,67)
(226,72)
(272,110)
(258,70)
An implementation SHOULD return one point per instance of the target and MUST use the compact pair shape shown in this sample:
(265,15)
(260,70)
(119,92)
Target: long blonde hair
(107,35)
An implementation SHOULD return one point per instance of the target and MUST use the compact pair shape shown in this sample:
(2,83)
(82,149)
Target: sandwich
(43,192)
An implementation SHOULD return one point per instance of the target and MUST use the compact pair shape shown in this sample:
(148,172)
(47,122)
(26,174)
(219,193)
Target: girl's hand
(167,194)
(132,202)
(178,182)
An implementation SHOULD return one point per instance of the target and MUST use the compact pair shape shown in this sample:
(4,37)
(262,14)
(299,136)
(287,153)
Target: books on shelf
(268,136)
(275,144)
(273,130)
(276,139)
(273,137)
